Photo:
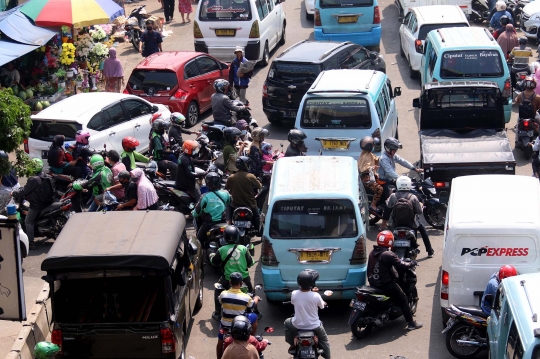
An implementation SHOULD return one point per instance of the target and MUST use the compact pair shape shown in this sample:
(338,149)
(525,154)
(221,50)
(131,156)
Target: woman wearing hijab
(147,197)
(255,152)
(508,40)
(113,72)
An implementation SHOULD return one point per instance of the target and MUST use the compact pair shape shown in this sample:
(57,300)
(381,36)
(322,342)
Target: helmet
(191,147)
(367,143)
(230,133)
(385,239)
(231,234)
(178,119)
(203,140)
(58,140)
(124,174)
(45,350)
(159,125)
(220,85)
(82,137)
(243,163)
(500,5)
(240,328)
(296,137)
(241,125)
(96,162)
(38,164)
(523,40)
(266,148)
(507,271)
(403,183)
(306,279)
(213,181)
(504,20)
(129,143)
(259,134)
(392,143)
(529,83)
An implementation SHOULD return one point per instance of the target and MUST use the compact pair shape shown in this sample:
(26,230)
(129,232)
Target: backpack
(526,109)
(403,213)
(47,189)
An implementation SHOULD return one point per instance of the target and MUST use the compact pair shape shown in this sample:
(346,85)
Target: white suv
(530,19)
(108,117)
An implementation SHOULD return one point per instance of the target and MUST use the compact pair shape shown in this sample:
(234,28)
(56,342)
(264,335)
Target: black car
(293,72)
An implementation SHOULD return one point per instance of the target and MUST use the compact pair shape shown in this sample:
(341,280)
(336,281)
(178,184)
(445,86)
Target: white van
(487,226)
(256,25)
(404,6)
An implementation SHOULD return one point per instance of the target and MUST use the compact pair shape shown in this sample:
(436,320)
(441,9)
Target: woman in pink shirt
(113,159)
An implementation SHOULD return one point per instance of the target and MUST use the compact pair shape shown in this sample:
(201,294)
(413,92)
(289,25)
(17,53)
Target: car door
(392,116)
(410,35)
(403,29)
(193,275)
(98,134)
(383,109)
(274,14)
(265,24)
(209,71)
(140,114)
(117,124)
(194,83)
(499,324)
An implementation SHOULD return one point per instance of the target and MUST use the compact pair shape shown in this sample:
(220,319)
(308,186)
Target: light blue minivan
(358,21)
(316,218)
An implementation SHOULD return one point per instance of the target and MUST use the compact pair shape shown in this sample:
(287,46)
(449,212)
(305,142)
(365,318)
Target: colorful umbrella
(76,13)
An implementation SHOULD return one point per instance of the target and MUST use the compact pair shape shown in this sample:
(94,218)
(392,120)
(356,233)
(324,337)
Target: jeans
(394,291)
(226,286)
(168,9)
(31,217)
(385,195)
(291,331)
(165,165)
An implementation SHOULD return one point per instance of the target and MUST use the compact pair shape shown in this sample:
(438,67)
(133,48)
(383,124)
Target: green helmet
(96,162)
(77,186)
(45,350)
(38,164)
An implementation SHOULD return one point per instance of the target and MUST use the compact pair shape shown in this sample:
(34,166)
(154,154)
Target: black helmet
(367,143)
(203,140)
(124,174)
(231,234)
(296,137)
(504,20)
(523,40)
(230,134)
(243,163)
(213,181)
(307,278)
(241,328)
(392,143)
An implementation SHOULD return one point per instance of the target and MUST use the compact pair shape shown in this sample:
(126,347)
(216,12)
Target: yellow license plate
(315,256)
(225,32)
(335,144)
(347,19)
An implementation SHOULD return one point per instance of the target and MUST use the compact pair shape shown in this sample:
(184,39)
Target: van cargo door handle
(112,133)
(137,126)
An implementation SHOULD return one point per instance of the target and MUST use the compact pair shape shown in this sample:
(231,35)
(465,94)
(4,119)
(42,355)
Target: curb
(35,329)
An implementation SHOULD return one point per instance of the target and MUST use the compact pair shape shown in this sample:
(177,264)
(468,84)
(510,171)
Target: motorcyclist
(212,206)
(100,180)
(57,158)
(160,150)
(231,135)
(529,102)
(45,350)
(306,302)
(296,143)
(380,273)
(185,180)
(503,21)
(178,124)
(129,199)
(522,50)
(500,6)
(242,186)
(82,152)
(387,171)
(493,284)
(129,155)
(222,105)
(406,218)
(255,152)
(368,164)
(241,342)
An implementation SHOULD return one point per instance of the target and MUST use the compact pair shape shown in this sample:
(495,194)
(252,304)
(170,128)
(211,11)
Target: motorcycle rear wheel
(435,215)
(413,300)
(136,39)
(360,329)
(59,223)
(466,332)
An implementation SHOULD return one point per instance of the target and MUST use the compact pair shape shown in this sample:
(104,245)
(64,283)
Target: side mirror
(373,56)
(224,66)
(193,248)
(397,91)
(155,109)
(444,196)
(416,102)
(419,47)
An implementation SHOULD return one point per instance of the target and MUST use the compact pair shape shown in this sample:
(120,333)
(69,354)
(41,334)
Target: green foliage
(15,125)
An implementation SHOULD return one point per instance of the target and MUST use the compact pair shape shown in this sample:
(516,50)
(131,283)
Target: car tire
(23,251)
(283,36)
(309,16)
(401,52)
(266,56)
(192,114)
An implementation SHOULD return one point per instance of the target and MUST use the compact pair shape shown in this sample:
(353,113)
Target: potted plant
(65,34)
(79,80)
(61,75)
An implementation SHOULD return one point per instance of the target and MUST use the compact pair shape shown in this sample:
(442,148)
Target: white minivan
(488,227)
(256,25)
(404,6)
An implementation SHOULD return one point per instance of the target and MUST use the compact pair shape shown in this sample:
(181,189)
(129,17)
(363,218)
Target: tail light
(26,148)
(265,90)
(126,91)
(445,279)
(268,257)
(359,296)
(56,337)
(526,124)
(179,95)
(305,342)
(254,33)
(402,234)
(318,21)
(441,184)
(359,251)
(376,15)
(522,76)
(435,80)
(205,127)
(168,341)
(197,33)
(507,91)
(242,213)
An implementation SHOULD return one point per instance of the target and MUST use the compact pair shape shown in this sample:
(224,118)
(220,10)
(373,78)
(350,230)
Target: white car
(108,117)
(23,239)
(310,9)
(419,22)
(530,19)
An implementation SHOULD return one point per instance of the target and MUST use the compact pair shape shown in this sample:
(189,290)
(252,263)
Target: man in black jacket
(185,179)
(380,273)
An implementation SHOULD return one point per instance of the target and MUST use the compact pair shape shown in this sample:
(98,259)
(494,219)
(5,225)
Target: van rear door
(346,16)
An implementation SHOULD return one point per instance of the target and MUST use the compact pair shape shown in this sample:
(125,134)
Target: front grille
(283,103)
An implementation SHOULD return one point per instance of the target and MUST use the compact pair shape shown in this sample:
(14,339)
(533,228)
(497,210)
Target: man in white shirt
(306,303)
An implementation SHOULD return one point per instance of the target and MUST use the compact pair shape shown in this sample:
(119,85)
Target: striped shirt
(233,302)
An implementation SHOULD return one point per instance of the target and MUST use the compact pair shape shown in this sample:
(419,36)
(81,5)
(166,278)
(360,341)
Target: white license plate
(358,305)
(402,243)
(244,224)
(308,354)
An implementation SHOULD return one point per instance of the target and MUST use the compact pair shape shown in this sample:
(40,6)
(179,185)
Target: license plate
(525,133)
(289,113)
(335,144)
(347,19)
(244,224)
(402,243)
(358,305)
(317,256)
(44,154)
(225,32)
(307,354)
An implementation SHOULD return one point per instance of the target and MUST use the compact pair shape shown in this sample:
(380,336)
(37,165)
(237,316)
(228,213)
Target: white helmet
(403,183)
(500,5)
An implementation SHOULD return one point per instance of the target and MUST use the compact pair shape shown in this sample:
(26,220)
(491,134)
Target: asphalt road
(392,339)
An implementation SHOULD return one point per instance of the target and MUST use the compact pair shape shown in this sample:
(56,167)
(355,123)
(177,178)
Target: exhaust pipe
(471,343)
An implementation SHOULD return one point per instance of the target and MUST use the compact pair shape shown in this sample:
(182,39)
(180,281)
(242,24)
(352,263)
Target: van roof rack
(291,47)
(371,78)
(323,56)
(489,34)
(441,35)
(534,314)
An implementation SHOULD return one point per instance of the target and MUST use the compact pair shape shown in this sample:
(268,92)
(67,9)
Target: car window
(407,19)
(356,58)
(158,80)
(472,63)
(389,85)
(342,113)
(45,130)
(271,5)
(381,108)
(96,123)
(225,10)
(206,65)
(114,115)
(425,29)
(514,348)
(432,58)
(262,8)
(191,70)
(386,98)
(345,3)
(413,24)
(136,108)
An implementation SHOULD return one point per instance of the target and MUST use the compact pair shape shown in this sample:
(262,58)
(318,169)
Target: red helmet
(191,147)
(129,143)
(385,239)
(507,271)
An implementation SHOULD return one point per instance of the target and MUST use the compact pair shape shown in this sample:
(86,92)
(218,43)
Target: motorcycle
(50,219)
(61,183)
(372,308)
(433,210)
(405,243)
(241,219)
(525,136)
(520,77)
(376,215)
(480,11)
(135,25)
(168,194)
(466,331)
(226,334)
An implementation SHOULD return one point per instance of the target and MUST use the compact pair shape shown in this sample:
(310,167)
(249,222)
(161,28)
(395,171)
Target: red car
(182,80)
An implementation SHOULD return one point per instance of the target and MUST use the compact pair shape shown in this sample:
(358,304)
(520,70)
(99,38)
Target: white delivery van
(404,6)
(488,226)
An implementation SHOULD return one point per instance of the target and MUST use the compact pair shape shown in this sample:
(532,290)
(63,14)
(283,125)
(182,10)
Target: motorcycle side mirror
(218,286)
(444,197)
(269,330)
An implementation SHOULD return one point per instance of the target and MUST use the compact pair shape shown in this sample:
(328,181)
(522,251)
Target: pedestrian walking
(239,78)
(184,6)
(113,72)
(168,9)
(150,40)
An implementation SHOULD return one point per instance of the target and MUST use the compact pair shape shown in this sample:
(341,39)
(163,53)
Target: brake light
(268,257)
(205,127)
(179,95)
(318,18)
(26,148)
(376,16)
(265,90)
(440,184)
(507,91)
(402,234)
(359,296)
(126,91)
(197,33)
(359,251)
(305,342)
(254,33)
(56,337)
(242,213)
(445,279)
(522,76)
(168,341)
(526,124)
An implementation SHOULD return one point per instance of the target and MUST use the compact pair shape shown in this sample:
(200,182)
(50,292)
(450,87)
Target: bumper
(310,11)
(508,111)
(278,113)
(530,28)
(252,50)
(371,38)
(173,105)
(416,61)
(343,289)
